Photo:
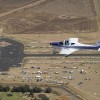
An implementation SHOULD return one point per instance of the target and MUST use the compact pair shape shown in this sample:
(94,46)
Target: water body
(10,55)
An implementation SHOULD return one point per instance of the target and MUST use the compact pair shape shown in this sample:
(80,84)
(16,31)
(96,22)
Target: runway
(54,55)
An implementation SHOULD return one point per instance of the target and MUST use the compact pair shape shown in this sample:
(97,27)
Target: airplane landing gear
(54,51)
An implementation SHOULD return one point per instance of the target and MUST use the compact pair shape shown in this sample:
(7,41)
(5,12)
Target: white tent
(38,76)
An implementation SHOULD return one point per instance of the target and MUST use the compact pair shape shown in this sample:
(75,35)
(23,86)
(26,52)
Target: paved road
(53,55)
(11,55)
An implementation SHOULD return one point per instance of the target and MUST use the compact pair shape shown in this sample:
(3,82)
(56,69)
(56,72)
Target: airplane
(69,46)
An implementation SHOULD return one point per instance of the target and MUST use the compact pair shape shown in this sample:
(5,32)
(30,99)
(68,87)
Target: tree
(26,88)
(1,88)
(48,90)
(14,89)
(36,90)
(6,89)
(45,98)
(31,93)
(23,89)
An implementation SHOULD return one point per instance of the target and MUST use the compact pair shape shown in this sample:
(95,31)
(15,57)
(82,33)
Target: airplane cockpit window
(66,42)
(72,43)
(61,43)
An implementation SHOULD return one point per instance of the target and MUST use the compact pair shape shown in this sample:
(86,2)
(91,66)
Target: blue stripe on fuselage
(79,47)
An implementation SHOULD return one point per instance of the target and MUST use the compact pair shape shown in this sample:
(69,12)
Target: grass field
(16,96)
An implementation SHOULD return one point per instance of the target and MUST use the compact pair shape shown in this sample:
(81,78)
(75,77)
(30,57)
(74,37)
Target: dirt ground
(6,5)
(51,16)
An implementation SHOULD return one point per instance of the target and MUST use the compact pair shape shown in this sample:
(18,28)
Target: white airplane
(69,46)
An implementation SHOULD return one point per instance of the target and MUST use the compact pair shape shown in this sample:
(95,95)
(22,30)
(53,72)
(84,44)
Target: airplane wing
(67,51)
(99,49)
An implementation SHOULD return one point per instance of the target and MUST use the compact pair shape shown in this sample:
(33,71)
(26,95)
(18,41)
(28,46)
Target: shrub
(36,90)
(43,97)
(48,90)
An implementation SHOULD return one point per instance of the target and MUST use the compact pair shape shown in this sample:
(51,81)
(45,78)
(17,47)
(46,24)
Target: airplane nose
(54,43)
(50,43)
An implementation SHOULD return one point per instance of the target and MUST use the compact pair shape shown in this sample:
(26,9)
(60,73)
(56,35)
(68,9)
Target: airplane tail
(99,49)
(98,43)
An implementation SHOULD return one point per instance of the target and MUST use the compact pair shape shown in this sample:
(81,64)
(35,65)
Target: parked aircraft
(69,46)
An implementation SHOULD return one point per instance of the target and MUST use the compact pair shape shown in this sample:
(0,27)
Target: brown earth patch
(44,22)
(51,16)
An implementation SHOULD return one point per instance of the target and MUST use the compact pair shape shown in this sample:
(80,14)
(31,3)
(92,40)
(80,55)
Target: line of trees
(24,89)
(4,89)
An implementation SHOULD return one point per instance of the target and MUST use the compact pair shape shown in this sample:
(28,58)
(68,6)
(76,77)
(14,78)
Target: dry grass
(45,18)
(6,5)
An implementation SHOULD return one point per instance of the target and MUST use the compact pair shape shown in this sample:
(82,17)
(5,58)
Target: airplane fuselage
(69,46)
(77,46)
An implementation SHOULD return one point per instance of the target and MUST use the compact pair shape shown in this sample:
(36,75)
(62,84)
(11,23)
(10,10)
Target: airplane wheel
(54,52)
